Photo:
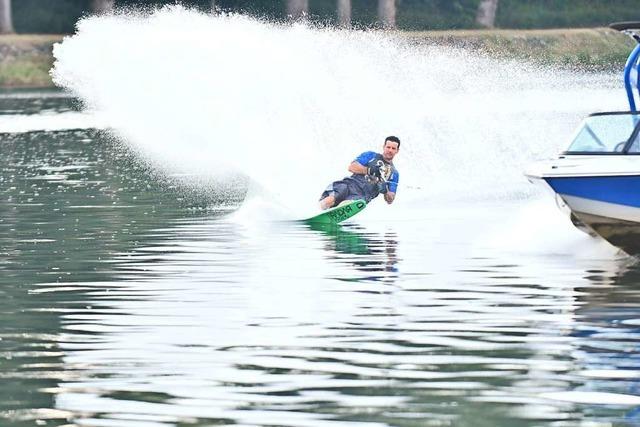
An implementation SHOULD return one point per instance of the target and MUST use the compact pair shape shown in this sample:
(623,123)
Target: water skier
(373,174)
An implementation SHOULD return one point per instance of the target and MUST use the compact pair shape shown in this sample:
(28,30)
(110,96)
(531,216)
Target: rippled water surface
(135,297)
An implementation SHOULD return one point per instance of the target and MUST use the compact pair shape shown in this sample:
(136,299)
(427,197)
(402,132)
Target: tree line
(59,16)
(295,9)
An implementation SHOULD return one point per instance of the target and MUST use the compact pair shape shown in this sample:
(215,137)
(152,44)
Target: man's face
(389,150)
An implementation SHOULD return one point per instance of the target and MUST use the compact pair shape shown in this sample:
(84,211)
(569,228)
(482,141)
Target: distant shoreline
(25,59)
(593,49)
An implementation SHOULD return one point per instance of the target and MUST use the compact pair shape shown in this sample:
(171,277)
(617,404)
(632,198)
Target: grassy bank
(584,48)
(25,60)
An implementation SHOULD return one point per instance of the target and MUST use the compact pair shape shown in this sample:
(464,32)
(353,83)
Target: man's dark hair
(392,139)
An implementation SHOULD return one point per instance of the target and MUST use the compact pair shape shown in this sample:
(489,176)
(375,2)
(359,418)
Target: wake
(289,106)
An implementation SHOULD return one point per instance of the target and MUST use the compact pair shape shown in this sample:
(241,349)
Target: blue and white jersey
(366,187)
(358,186)
(389,172)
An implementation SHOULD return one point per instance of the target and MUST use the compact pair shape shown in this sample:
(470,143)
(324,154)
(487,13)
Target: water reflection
(373,253)
(71,203)
(128,298)
(30,102)
(607,337)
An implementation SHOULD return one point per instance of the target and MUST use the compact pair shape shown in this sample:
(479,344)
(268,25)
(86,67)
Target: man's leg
(333,195)
(327,202)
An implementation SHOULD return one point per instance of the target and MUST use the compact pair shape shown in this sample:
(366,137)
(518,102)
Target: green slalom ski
(338,214)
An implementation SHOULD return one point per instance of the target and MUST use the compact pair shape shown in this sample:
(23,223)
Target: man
(373,174)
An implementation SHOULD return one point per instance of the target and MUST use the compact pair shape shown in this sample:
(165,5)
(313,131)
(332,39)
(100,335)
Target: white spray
(290,106)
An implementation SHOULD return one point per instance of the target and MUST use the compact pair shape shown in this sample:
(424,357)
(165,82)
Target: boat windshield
(605,133)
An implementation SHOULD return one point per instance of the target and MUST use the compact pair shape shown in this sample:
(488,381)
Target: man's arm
(392,186)
(357,168)
(389,197)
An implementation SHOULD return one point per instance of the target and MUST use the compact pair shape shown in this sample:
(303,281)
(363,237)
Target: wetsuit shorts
(345,189)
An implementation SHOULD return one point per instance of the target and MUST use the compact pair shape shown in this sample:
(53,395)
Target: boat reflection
(605,358)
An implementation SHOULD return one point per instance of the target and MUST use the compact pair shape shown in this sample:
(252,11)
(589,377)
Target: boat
(596,180)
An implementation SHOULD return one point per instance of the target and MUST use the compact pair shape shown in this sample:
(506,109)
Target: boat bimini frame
(631,75)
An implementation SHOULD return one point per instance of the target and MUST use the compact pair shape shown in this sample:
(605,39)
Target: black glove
(382,187)
(374,171)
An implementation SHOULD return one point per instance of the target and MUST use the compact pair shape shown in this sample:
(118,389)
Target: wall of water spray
(289,106)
